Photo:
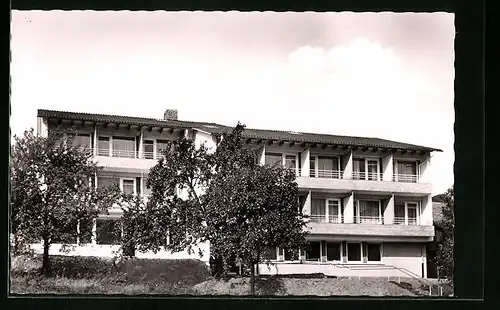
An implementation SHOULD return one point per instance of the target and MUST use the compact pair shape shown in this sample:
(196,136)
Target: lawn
(91,275)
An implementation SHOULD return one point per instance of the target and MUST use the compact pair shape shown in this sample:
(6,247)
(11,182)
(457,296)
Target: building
(369,199)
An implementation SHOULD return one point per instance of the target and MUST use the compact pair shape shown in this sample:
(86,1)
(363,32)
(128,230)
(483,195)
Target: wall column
(307,204)
(347,165)
(348,203)
(426,212)
(305,162)
(262,155)
(95,140)
(388,167)
(389,211)
(424,170)
(42,127)
(141,146)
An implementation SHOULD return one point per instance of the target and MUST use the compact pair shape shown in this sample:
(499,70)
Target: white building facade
(369,200)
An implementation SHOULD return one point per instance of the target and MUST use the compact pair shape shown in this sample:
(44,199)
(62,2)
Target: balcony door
(318,211)
(406,213)
(328,167)
(368,212)
(366,169)
(406,171)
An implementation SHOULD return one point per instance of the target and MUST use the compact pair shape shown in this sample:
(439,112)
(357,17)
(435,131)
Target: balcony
(125,160)
(339,181)
(370,226)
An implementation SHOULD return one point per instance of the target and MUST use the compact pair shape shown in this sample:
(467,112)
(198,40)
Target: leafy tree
(52,190)
(223,197)
(444,255)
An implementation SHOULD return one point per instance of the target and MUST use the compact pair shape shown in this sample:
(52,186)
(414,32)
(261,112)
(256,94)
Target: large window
(366,169)
(406,171)
(124,147)
(328,167)
(291,162)
(269,253)
(406,213)
(83,141)
(108,231)
(318,213)
(368,212)
(161,147)
(148,146)
(374,252)
(354,252)
(128,186)
(103,146)
(313,252)
(333,251)
(273,158)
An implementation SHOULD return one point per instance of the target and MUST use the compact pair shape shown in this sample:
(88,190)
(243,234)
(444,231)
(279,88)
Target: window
(374,252)
(399,213)
(328,167)
(148,149)
(354,252)
(161,147)
(358,168)
(128,186)
(290,255)
(318,210)
(103,182)
(103,146)
(406,171)
(124,147)
(313,252)
(269,253)
(83,141)
(85,227)
(333,211)
(108,231)
(333,251)
(291,162)
(273,158)
(406,213)
(368,212)
(312,164)
(373,173)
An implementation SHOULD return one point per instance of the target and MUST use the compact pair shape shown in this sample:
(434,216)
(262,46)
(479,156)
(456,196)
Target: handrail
(404,270)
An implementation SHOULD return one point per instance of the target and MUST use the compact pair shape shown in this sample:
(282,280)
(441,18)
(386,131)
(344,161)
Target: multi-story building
(369,199)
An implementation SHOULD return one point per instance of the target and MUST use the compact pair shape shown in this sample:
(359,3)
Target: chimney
(170,115)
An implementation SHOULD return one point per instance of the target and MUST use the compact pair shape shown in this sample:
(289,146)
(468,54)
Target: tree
(444,255)
(52,190)
(223,197)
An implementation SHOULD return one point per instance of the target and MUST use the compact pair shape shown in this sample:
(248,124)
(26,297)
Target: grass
(91,275)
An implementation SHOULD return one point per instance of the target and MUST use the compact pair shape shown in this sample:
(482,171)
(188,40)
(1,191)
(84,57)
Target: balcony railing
(126,153)
(325,219)
(362,175)
(404,221)
(407,178)
(368,220)
(330,174)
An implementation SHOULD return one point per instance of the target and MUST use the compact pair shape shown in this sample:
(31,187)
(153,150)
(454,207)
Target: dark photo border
(469,167)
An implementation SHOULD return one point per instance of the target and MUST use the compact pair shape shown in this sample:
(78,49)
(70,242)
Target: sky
(386,75)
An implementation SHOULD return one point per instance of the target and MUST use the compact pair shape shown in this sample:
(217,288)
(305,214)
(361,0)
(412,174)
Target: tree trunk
(45,261)
(252,278)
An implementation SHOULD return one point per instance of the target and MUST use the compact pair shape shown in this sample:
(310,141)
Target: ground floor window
(373,250)
(313,252)
(333,251)
(108,231)
(85,230)
(354,252)
(269,253)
